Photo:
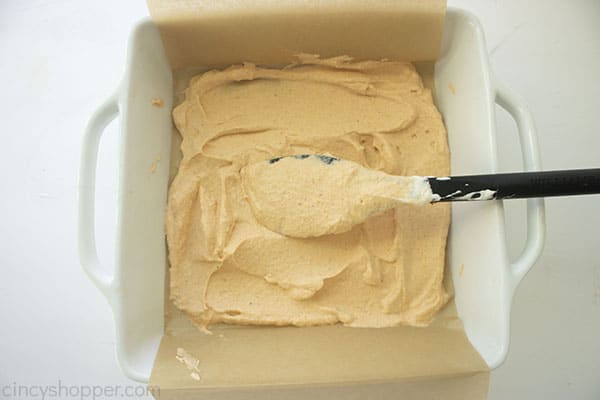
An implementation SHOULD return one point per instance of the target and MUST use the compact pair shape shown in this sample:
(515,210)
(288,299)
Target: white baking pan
(484,277)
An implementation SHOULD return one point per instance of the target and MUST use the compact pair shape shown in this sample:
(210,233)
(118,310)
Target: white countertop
(61,58)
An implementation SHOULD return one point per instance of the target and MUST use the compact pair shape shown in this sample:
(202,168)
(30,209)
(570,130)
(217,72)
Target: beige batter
(228,267)
(316,195)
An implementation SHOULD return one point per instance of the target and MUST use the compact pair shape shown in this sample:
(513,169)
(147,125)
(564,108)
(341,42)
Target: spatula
(294,194)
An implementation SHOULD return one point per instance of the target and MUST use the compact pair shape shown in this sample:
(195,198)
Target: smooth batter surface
(227,267)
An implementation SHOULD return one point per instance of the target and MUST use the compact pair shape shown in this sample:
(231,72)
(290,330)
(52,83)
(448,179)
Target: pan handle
(88,255)
(536,216)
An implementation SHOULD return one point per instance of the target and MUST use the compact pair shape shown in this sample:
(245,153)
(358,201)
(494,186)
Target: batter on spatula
(227,266)
(314,195)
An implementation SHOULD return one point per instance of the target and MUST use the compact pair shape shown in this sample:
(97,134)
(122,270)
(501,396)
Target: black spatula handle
(516,185)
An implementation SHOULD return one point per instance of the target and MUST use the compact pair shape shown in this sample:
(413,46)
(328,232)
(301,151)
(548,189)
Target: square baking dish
(466,93)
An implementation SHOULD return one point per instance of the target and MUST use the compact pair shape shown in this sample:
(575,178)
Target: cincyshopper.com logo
(62,391)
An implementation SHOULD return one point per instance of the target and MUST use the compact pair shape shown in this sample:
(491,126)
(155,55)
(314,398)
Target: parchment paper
(316,362)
